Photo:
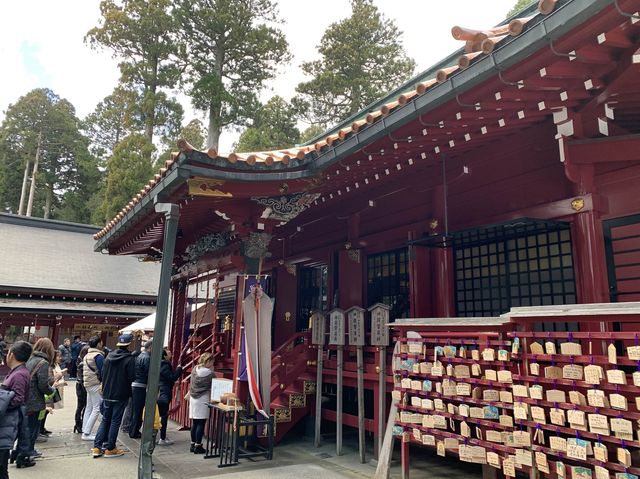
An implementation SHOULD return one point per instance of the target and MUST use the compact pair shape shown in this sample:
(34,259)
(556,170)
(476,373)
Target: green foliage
(273,128)
(232,48)
(195,134)
(128,170)
(310,133)
(519,6)
(142,34)
(66,169)
(362,58)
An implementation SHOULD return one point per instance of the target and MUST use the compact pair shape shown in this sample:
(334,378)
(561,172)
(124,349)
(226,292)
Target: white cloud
(54,32)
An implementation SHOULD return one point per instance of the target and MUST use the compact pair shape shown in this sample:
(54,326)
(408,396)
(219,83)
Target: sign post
(336,338)
(317,338)
(380,338)
(355,315)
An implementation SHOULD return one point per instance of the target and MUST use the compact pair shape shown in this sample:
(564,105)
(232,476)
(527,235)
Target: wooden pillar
(443,284)
(420,282)
(285,302)
(176,335)
(351,279)
(589,258)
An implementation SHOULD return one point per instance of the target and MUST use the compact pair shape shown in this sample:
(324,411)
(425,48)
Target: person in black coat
(168,377)
(139,390)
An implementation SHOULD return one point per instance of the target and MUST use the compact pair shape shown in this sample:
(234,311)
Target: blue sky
(47,49)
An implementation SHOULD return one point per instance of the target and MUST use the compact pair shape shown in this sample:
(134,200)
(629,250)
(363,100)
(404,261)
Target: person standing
(139,390)
(75,348)
(92,366)
(65,353)
(168,377)
(199,392)
(81,392)
(41,385)
(10,422)
(118,374)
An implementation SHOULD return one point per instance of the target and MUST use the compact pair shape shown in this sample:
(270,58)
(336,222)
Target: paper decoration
(593,374)
(534,368)
(425,368)
(612,354)
(464,429)
(550,347)
(449,370)
(427,385)
(427,421)
(476,412)
(577,449)
(616,376)
(427,404)
(437,370)
(636,378)
(520,412)
(462,352)
(416,401)
(416,385)
(452,409)
(438,404)
(449,351)
(439,422)
(450,443)
(572,371)
(571,349)
(490,412)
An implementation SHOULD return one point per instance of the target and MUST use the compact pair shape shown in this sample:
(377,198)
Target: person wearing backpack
(11,420)
(92,365)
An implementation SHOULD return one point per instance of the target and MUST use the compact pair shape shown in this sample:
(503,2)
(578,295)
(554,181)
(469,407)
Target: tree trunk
(23,193)
(213,135)
(150,106)
(48,202)
(32,191)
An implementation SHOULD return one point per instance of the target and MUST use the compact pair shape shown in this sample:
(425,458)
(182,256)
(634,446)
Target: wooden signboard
(337,338)
(379,324)
(355,317)
(318,324)
(336,327)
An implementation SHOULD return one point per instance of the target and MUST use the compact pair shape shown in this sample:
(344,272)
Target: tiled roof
(477,43)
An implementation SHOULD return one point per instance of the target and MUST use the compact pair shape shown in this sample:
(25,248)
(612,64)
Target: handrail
(284,345)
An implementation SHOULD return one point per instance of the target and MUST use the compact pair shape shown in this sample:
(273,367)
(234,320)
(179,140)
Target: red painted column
(177,320)
(589,257)
(443,284)
(285,302)
(420,282)
(351,279)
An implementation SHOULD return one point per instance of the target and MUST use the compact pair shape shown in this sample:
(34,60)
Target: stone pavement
(65,455)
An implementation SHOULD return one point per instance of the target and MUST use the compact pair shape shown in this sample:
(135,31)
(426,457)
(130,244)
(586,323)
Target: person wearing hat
(118,373)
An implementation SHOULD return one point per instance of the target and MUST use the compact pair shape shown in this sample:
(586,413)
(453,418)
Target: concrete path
(66,456)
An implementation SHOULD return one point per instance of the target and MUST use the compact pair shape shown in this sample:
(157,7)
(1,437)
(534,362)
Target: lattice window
(388,281)
(312,293)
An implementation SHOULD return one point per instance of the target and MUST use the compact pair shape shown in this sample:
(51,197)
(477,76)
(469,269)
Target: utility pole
(32,191)
(23,193)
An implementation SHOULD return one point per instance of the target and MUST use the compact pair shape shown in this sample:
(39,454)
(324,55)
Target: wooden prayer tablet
(476,412)
(461,371)
(538,414)
(437,370)
(462,352)
(416,418)
(536,348)
(417,434)
(406,437)
(438,388)
(488,354)
(450,443)
(596,398)
(427,385)
(580,472)
(558,443)
(636,378)
(439,422)
(463,389)
(624,457)
(633,353)
(449,351)
(534,369)
(503,355)
(612,354)
(553,372)
(416,401)
(600,452)
(464,429)
(490,412)
(506,396)
(417,385)
(536,391)
(638,403)
(440,450)
(463,410)
(416,348)
(448,387)
(572,371)
(520,412)
(550,347)
(465,454)
(475,354)
(509,466)
(494,436)
(598,424)
(601,472)
(427,421)
(520,390)
(577,398)
(571,349)
(428,440)
(576,417)
(425,368)
(405,383)
(493,459)
(542,463)
(452,409)
(405,416)
(618,401)
(491,374)
(490,395)
(593,374)
(616,376)
(524,457)
(504,376)
(556,395)
(476,370)
(577,448)
(505,420)
(622,428)
(427,404)
(557,416)
(438,404)
(404,348)
(561,470)
(416,368)
(507,439)
(449,369)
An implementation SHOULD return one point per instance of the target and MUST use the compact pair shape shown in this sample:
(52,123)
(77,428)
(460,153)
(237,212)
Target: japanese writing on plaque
(318,326)
(355,317)
(336,327)
(379,328)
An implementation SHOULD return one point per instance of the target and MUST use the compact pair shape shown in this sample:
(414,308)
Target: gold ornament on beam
(577,204)
(199,186)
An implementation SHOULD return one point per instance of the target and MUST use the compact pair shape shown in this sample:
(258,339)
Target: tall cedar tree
(233,47)
(141,34)
(127,170)
(193,132)
(67,173)
(274,127)
(362,58)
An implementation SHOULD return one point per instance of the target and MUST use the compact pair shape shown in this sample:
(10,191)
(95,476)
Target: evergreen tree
(273,128)
(519,6)
(310,133)
(232,47)
(362,58)
(195,134)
